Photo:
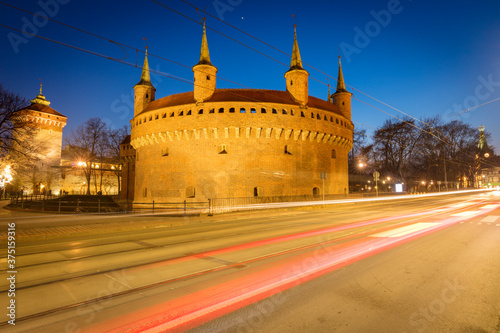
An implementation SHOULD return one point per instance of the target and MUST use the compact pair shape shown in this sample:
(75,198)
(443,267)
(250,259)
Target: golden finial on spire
(41,86)
(204,53)
(296,60)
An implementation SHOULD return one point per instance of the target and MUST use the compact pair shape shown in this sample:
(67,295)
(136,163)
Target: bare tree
(17,147)
(88,142)
(114,139)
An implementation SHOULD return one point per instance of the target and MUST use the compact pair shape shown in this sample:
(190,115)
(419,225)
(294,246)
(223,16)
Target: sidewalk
(30,228)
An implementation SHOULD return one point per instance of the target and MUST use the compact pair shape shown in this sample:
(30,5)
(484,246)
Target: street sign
(323,175)
(376,174)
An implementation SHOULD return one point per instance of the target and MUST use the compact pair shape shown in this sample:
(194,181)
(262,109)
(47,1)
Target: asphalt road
(420,265)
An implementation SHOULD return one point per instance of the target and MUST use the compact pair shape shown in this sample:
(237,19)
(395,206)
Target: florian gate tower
(219,143)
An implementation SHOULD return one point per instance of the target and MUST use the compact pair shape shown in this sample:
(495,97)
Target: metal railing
(172,207)
(62,204)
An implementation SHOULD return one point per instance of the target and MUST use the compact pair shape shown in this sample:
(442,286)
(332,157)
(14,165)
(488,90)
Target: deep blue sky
(426,58)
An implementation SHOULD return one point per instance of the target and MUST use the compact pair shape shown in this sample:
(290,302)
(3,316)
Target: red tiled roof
(240,95)
(43,108)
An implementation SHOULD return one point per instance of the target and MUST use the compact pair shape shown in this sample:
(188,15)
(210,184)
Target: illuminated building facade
(219,143)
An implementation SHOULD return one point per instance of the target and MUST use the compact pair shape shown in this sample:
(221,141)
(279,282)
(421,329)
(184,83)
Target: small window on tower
(189,113)
(200,111)
(190,192)
(252,110)
(222,149)
(291,82)
(208,77)
(288,151)
(257,191)
(145,192)
(334,154)
(181,113)
(147,96)
(221,110)
(242,110)
(275,111)
(262,110)
(231,110)
(302,114)
(284,111)
(211,111)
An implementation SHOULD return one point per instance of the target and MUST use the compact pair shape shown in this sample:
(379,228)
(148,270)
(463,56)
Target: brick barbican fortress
(221,143)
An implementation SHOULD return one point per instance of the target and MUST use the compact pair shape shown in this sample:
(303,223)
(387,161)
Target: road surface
(427,264)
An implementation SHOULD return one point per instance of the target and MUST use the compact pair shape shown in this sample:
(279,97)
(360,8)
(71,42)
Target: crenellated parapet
(242,133)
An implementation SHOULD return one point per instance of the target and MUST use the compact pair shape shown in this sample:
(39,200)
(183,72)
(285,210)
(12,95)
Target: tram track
(351,235)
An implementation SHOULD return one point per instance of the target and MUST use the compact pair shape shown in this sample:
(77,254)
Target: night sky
(424,58)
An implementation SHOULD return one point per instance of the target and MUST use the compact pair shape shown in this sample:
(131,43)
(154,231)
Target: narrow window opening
(284,111)
(211,111)
(316,191)
(334,154)
(288,151)
(200,111)
(337,120)
(302,114)
(291,82)
(242,110)
(208,77)
(145,192)
(190,192)
(312,114)
(221,110)
(156,117)
(189,113)
(181,113)
(318,116)
(222,149)
(257,191)
(252,110)
(172,114)
(275,111)
(292,112)
(164,115)
(231,110)
(263,110)
(147,96)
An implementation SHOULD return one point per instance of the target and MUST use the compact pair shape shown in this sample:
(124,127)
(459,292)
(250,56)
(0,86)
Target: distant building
(43,167)
(44,129)
(217,143)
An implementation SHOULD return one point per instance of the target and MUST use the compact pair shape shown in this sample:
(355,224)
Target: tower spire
(145,76)
(40,99)
(340,80)
(204,53)
(296,60)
